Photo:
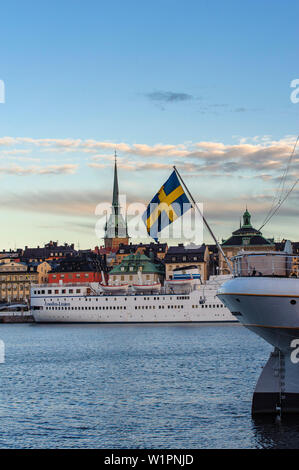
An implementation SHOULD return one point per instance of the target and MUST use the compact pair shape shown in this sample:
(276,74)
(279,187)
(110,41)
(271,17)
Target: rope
(280,190)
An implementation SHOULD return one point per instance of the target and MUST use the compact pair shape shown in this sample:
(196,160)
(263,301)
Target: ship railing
(257,264)
(64,285)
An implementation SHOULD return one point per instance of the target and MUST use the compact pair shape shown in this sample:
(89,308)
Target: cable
(280,198)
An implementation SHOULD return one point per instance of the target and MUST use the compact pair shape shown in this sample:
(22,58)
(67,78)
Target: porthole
(238,300)
(293,302)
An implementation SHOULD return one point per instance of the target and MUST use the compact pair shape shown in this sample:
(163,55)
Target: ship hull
(267,306)
(270,308)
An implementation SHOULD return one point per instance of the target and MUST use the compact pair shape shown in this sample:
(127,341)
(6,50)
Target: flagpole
(195,207)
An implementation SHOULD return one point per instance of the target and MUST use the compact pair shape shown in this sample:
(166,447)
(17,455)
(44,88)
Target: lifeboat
(181,284)
(114,288)
(155,287)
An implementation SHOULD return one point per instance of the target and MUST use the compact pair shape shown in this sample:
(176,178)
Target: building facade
(87,267)
(51,251)
(180,257)
(16,279)
(158,250)
(137,269)
(246,238)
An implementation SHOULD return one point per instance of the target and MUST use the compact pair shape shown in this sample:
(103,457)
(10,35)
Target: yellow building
(16,279)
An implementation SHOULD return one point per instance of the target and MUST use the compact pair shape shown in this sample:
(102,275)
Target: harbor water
(134,386)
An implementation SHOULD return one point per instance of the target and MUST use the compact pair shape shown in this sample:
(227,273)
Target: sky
(198,84)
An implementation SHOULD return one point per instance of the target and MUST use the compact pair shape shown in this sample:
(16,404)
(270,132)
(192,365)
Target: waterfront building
(185,257)
(246,238)
(16,279)
(51,251)
(159,250)
(137,269)
(116,230)
(42,269)
(13,254)
(83,268)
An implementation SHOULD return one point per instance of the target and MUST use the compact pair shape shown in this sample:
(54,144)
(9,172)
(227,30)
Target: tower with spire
(116,230)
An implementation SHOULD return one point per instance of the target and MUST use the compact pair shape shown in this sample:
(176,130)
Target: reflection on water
(134,386)
(270,433)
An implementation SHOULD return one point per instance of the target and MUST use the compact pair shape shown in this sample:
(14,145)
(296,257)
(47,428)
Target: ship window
(293,302)
(78,291)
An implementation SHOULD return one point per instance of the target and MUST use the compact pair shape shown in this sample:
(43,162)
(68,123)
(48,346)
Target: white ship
(87,303)
(264,296)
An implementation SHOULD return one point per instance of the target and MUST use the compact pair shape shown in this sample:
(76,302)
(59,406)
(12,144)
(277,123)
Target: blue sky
(204,85)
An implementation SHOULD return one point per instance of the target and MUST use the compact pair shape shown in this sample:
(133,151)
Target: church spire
(115,199)
(116,230)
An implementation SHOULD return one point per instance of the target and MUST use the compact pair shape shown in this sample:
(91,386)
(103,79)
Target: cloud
(130,165)
(259,156)
(169,96)
(39,170)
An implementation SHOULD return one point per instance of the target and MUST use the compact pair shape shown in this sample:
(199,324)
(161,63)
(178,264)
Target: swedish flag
(167,205)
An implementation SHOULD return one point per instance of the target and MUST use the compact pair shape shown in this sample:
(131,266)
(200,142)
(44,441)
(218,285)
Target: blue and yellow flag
(166,206)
